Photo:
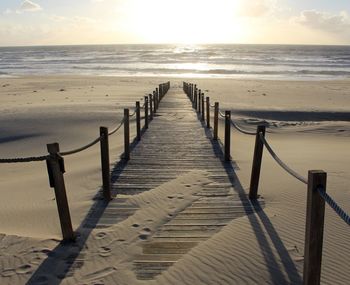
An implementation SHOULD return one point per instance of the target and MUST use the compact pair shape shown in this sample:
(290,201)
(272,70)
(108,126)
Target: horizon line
(179,44)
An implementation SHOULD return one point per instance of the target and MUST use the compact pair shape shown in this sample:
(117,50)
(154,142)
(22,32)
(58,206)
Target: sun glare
(186,21)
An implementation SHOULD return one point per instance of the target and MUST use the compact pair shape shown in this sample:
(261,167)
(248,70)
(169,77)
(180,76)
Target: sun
(183,21)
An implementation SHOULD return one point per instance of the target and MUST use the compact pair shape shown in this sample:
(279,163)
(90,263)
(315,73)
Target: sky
(53,22)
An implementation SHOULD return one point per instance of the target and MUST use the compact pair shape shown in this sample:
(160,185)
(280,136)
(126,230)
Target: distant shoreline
(272,62)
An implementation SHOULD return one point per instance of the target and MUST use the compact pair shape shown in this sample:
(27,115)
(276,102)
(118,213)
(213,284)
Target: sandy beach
(308,126)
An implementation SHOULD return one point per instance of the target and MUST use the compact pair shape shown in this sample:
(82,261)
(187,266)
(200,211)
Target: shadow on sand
(63,259)
(261,225)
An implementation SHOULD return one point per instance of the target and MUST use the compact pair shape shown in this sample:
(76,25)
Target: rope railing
(329,200)
(238,128)
(133,114)
(79,149)
(24,159)
(316,183)
(221,114)
(280,162)
(55,161)
(112,132)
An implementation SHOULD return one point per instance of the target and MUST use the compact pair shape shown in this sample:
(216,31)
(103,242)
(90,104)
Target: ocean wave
(204,60)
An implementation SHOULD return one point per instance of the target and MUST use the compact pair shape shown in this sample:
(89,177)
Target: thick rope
(221,114)
(341,213)
(24,159)
(133,114)
(241,130)
(44,157)
(280,162)
(73,151)
(116,129)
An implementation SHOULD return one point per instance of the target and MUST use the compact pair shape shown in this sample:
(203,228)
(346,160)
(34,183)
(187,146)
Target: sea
(293,62)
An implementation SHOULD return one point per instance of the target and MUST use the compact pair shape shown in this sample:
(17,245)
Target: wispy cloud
(29,6)
(325,21)
(255,8)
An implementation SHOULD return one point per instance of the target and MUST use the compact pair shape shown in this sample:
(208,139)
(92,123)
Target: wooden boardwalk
(175,143)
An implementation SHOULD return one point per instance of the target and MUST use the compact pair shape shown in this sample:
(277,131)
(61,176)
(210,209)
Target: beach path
(175,144)
(180,171)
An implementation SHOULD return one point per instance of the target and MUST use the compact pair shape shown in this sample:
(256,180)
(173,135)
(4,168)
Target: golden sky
(174,21)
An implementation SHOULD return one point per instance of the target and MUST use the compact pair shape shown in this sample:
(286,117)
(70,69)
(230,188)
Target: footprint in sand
(8,272)
(36,260)
(121,240)
(100,235)
(45,251)
(143,236)
(105,251)
(24,269)
(145,233)
(135,225)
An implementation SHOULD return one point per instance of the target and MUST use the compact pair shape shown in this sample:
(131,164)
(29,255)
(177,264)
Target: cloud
(255,8)
(56,18)
(324,21)
(29,6)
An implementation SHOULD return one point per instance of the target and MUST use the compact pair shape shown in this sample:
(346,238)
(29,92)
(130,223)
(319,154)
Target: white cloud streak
(256,8)
(325,21)
(29,6)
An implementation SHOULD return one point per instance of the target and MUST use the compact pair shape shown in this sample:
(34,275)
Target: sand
(309,129)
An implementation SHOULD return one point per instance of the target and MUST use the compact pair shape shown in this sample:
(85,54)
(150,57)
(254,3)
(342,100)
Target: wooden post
(155,102)
(257,158)
(195,98)
(208,112)
(138,121)
(126,135)
(314,228)
(150,106)
(55,167)
(203,110)
(194,94)
(160,91)
(146,112)
(227,135)
(216,121)
(192,91)
(199,101)
(106,178)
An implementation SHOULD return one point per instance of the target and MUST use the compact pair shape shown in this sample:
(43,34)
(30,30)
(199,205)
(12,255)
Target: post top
(53,148)
(317,172)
